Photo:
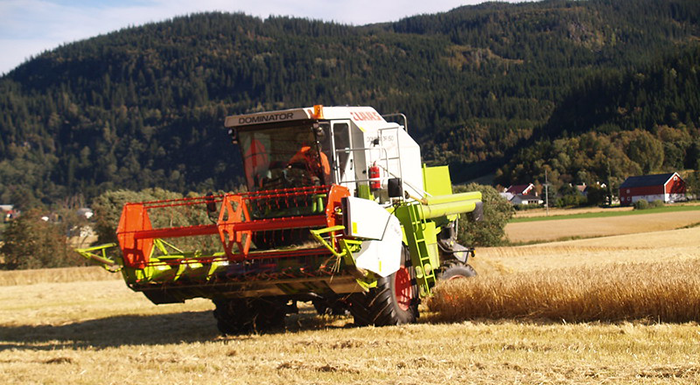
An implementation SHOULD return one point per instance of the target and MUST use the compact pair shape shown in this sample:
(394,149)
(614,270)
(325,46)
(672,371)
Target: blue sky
(30,27)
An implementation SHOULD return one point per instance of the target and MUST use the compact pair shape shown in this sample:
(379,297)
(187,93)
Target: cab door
(343,168)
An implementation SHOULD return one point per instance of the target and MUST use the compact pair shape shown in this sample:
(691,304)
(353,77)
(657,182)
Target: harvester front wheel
(457,270)
(245,315)
(394,301)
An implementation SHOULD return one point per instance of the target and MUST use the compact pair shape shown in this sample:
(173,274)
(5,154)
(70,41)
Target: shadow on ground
(158,329)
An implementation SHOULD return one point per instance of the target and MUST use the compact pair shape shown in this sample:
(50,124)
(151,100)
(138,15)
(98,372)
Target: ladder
(415,229)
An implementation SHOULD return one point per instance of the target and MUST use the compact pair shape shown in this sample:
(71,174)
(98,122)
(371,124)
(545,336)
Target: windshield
(284,157)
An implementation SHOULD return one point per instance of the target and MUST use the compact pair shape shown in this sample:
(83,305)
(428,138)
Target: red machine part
(375,182)
(134,219)
(235,224)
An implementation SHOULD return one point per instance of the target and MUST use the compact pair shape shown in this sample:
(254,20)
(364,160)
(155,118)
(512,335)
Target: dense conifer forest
(586,90)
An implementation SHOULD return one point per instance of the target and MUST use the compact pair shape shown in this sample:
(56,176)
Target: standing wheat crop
(665,292)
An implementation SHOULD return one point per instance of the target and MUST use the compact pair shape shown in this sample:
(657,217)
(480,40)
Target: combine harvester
(339,212)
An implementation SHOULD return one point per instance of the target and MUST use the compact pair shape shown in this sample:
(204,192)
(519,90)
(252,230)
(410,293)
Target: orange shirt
(306,155)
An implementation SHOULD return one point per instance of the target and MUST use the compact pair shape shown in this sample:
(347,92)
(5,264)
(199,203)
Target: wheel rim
(403,289)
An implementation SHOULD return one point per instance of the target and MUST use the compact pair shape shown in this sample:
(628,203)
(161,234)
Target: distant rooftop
(519,188)
(646,180)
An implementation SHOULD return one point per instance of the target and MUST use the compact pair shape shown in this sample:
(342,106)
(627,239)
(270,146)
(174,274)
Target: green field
(607,214)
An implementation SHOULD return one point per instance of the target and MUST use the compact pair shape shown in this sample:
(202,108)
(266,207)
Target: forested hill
(616,124)
(144,106)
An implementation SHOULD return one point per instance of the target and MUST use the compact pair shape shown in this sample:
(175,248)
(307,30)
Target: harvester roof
(366,118)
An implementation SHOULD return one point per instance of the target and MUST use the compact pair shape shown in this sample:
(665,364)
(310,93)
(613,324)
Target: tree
(646,150)
(570,196)
(108,209)
(692,182)
(497,212)
(596,196)
(145,107)
(33,243)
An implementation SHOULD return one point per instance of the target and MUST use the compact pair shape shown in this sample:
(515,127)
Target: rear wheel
(244,315)
(394,301)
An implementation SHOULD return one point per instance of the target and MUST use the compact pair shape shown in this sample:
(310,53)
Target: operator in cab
(314,161)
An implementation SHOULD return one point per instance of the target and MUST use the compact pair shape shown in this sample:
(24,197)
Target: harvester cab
(352,147)
(339,212)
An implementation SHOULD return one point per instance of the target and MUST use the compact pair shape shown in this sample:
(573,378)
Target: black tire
(242,316)
(457,270)
(330,306)
(394,301)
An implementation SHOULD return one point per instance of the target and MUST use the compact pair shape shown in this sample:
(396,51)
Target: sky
(30,27)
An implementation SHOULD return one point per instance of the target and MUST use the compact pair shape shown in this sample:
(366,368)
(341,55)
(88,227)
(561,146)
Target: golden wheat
(665,292)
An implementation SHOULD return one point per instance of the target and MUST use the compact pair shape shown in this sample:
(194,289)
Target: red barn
(663,187)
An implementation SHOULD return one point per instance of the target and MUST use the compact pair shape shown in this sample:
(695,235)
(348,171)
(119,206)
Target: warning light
(318,112)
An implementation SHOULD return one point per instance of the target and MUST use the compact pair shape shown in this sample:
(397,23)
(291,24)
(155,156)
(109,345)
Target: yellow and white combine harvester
(339,211)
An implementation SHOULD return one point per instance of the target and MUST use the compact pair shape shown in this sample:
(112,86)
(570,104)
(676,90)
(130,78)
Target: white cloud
(29,27)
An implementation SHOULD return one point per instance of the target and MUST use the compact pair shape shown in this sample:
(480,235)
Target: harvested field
(670,245)
(555,212)
(596,227)
(64,274)
(93,331)
(102,333)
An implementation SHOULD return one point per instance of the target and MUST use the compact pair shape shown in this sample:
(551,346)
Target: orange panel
(336,194)
(136,251)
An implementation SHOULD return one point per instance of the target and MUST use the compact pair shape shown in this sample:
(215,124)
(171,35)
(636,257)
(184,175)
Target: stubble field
(96,330)
(558,229)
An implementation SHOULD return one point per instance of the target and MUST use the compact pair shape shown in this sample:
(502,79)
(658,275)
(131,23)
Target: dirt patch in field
(596,227)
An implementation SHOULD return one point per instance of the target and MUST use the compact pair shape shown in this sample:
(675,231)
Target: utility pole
(610,191)
(546,192)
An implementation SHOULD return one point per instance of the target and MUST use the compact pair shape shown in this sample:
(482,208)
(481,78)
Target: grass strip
(604,214)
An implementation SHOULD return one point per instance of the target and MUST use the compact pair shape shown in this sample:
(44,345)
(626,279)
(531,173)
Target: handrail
(405,119)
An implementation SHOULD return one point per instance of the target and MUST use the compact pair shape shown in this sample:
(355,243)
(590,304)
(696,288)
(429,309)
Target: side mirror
(478,214)
(233,135)
(395,188)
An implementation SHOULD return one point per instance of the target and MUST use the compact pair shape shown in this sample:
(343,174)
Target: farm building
(8,212)
(664,187)
(521,199)
(520,189)
(522,195)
